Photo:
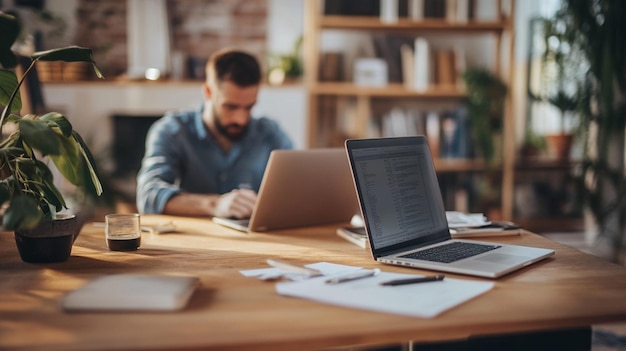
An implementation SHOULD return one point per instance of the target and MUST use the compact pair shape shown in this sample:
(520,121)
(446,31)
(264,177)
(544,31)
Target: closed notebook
(131,292)
(355,235)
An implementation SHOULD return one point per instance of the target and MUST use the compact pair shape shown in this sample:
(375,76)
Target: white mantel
(89,105)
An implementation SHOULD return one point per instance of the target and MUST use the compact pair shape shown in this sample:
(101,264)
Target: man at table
(210,162)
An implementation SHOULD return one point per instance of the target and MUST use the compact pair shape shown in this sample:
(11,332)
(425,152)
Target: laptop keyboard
(451,252)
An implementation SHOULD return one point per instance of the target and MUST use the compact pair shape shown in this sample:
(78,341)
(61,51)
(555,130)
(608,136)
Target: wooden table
(233,312)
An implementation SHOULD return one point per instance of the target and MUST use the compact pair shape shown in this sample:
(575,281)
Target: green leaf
(10,29)
(27,167)
(12,118)
(55,119)
(11,151)
(5,194)
(53,195)
(94,186)
(22,213)
(39,136)
(8,84)
(69,54)
(69,161)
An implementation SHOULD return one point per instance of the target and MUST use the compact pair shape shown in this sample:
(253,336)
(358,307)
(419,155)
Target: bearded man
(210,162)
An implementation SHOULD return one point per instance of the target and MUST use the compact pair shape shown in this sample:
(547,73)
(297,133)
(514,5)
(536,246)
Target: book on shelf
(462,13)
(450,10)
(458,11)
(460,65)
(414,62)
(416,10)
(389,11)
(389,48)
(331,67)
(355,235)
(433,131)
(434,8)
(399,122)
(455,134)
(407,59)
(445,67)
(422,70)
(352,8)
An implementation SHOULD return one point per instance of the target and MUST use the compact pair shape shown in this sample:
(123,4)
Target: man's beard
(233,131)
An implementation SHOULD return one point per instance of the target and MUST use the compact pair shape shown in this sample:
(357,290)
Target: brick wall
(198,28)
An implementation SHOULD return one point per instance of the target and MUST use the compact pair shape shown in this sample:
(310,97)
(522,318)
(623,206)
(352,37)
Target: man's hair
(236,66)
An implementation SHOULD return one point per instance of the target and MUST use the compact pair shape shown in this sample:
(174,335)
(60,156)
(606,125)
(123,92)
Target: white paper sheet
(326,268)
(424,300)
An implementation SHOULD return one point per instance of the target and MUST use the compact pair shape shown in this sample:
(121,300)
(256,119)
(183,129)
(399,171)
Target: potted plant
(485,101)
(28,195)
(286,66)
(561,63)
(597,27)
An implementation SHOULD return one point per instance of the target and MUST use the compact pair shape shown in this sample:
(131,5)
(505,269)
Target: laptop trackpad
(506,259)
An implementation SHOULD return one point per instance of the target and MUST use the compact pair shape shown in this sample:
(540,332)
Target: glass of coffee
(123,231)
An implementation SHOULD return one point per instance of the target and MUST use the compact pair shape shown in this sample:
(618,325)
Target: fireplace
(129,136)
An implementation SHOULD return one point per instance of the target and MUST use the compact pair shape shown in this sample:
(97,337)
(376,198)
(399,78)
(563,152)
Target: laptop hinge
(406,246)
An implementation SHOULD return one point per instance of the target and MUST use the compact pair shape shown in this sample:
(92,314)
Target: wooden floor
(606,337)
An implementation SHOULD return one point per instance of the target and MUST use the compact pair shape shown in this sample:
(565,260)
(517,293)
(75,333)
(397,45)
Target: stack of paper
(463,220)
(425,300)
(419,300)
(465,225)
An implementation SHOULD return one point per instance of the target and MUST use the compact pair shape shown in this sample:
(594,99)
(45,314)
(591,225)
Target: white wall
(526,10)
(285,23)
(89,106)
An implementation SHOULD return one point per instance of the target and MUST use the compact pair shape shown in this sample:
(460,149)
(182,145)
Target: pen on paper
(353,276)
(435,278)
(294,268)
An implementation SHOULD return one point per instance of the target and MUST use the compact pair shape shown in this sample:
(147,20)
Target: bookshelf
(326,121)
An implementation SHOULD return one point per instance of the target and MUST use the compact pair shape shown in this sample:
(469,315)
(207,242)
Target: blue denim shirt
(182,156)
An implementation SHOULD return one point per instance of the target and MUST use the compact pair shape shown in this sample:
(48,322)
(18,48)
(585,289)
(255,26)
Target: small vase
(51,241)
(559,146)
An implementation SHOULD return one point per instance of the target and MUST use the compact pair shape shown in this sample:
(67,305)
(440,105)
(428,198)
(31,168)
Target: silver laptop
(404,215)
(301,188)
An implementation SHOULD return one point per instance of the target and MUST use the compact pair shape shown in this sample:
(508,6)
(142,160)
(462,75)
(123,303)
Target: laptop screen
(398,192)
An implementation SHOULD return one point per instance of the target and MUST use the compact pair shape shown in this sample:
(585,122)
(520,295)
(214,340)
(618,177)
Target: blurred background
(508,92)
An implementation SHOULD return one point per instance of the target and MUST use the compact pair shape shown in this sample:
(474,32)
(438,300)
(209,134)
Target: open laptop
(405,218)
(301,188)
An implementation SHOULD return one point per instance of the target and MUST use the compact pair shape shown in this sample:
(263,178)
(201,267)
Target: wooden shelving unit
(558,191)
(320,130)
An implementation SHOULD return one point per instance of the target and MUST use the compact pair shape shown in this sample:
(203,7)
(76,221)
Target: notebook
(132,292)
(404,215)
(301,188)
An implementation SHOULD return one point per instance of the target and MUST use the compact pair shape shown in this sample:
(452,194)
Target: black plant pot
(49,242)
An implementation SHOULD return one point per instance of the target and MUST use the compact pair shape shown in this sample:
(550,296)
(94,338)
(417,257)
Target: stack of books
(462,225)
(467,225)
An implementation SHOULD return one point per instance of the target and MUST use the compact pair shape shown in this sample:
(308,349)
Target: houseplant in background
(563,71)
(599,28)
(485,103)
(28,195)
(286,66)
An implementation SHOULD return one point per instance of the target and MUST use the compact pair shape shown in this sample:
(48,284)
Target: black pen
(434,278)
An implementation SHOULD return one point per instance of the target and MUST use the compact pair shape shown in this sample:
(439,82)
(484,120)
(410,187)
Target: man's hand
(237,203)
